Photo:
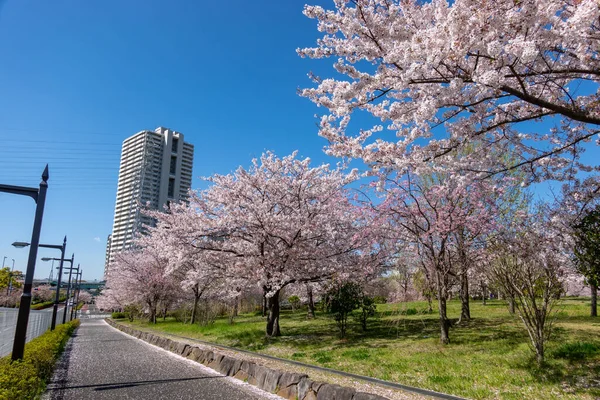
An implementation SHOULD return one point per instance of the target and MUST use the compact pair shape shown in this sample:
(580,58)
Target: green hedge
(26,379)
(43,305)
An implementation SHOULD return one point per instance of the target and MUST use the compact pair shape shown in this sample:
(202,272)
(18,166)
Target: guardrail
(39,322)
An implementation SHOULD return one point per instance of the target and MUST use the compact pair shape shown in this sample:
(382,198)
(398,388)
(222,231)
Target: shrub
(40,306)
(367,309)
(26,379)
(118,315)
(379,300)
(342,301)
(294,302)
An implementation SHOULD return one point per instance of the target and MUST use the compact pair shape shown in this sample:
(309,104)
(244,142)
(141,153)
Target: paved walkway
(101,362)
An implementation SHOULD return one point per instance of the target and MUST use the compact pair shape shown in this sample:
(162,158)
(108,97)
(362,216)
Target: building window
(174,145)
(173,167)
(171,188)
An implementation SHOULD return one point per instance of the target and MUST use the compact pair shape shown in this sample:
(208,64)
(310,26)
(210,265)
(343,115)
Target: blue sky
(78,77)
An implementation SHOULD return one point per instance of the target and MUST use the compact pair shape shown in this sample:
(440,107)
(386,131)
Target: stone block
(315,386)
(204,355)
(216,361)
(271,380)
(218,357)
(250,369)
(226,365)
(260,373)
(241,375)
(180,348)
(310,395)
(289,392)
(335,392)
(290,378)
(196,354)
(246,367)
(368,396)
(304,387)
(186,352)
(237,364)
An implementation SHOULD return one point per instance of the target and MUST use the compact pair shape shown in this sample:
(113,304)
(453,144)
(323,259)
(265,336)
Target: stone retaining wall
(288,385)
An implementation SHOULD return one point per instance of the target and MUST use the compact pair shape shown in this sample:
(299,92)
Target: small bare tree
(528,265)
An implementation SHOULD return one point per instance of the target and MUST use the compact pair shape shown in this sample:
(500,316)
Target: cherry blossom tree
(438,222)
(198,271)
(85,297)
(282,222)
(44,293)
(138,277)
(440,75)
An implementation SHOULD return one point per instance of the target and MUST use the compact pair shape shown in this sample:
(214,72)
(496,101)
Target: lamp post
(58,283)
(68,291)
(76,297)
(62,249)
(51,274)
(39,196)
(78,290)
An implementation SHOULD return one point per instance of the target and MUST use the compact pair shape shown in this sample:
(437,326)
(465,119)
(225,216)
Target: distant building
(156,168)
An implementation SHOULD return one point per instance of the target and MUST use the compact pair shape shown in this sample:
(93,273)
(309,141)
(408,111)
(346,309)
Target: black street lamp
(78,290)
(76,297)
(62,256)
(58,283)
(68,291)
(39,196)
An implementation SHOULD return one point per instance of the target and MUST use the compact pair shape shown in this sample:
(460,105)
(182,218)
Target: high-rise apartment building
(156,168)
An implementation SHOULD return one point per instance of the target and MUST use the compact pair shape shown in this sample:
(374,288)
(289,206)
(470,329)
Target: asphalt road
(101,362)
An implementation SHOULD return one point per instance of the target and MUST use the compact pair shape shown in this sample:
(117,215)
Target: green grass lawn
(487,358)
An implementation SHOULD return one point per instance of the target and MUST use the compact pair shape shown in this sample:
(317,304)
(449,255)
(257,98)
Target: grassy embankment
(488,357)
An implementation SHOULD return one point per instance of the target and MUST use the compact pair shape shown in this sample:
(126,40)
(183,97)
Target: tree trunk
(444,323)
(594,308)
(273,316)
(236,306)
(264,306)
(311,302)
(484,295)
(539,350)
(195,307)
(511,303)
(442,294)
(152,316)
(465,311)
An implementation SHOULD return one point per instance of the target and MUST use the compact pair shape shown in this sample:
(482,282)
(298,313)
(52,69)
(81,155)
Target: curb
(288,385)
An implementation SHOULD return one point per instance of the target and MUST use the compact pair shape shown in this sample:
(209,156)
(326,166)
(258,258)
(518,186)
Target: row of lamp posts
(39,196)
